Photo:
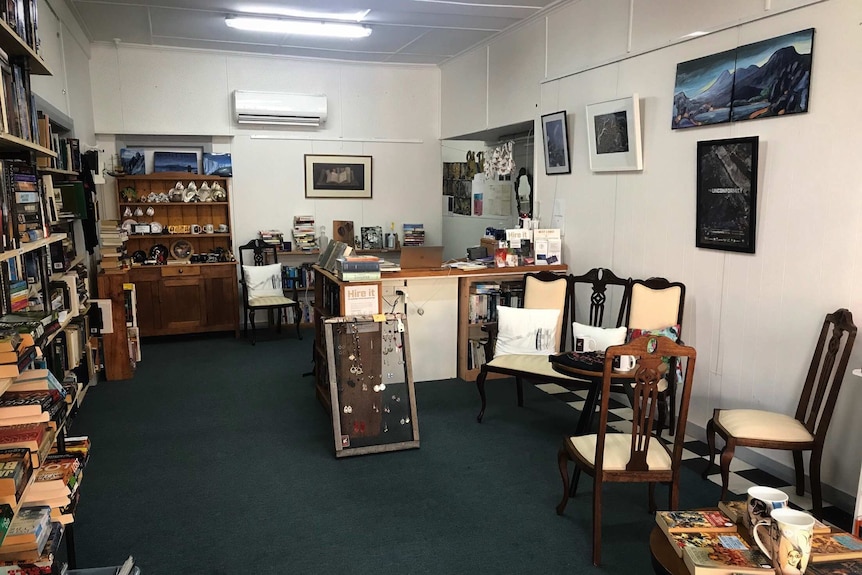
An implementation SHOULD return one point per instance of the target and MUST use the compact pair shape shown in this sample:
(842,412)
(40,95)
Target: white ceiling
(405,31)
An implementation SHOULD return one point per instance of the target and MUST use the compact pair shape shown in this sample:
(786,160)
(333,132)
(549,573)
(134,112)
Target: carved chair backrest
(547,290)
(655,303)
(596,283)
(826,373)
(255,253)
(649,350)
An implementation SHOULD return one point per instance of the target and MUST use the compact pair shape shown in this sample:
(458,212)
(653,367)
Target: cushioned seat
(536,366)
(618,451)
(756,424)
(272,300)
(263,287)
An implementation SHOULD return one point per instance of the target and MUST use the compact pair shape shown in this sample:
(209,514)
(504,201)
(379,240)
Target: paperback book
(835,547)
(696,521)
(730,560)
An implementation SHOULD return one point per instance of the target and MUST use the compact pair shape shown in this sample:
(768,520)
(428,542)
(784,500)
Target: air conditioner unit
(278,108)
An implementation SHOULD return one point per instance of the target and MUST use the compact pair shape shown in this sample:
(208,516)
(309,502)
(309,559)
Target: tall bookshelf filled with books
(39,342)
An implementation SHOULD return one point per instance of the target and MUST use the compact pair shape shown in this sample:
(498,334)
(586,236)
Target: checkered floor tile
(695,452)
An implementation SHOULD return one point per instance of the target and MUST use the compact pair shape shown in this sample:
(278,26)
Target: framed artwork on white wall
(556,143)
(614,135)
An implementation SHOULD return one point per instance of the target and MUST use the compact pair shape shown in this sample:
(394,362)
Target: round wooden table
(664,558)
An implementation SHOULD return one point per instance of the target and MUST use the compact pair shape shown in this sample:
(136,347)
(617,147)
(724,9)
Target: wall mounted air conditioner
(278,108)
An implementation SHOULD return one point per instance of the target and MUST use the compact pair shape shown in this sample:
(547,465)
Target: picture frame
(727,194)
(366,418)
(337,176)
(175,162)
(614,135)
(555,140)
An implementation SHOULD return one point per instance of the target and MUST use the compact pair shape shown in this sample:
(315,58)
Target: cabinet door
(149,316)
(182,304)
(221,305)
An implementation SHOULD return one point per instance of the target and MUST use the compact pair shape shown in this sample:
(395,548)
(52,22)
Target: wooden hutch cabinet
(182,296)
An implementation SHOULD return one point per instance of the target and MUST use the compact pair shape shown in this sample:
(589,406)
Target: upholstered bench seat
(618,451)
(763,425)
(529,365)
(273,300)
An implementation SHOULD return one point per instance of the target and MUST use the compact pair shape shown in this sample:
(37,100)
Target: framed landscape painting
(337,176)
(556,142)
(217,165)
(614,135)
(175,162)
(727,194)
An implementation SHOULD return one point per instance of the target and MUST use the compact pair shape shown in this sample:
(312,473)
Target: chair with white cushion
(805,431)
(638,456)
(262,286)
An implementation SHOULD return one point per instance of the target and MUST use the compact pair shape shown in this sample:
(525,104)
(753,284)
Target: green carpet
(217,459)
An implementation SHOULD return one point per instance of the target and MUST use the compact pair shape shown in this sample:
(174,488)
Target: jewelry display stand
(371,384)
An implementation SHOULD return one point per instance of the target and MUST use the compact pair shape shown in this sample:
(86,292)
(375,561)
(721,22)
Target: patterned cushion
(263,281)
(272,300)
(526,331)
(617,451)
(757,424)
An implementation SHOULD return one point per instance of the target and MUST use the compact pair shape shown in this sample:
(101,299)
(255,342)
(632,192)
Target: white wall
(753,318)
(388,112)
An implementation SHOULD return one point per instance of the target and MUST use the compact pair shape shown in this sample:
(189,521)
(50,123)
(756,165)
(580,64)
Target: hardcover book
(835,547)
(698,521)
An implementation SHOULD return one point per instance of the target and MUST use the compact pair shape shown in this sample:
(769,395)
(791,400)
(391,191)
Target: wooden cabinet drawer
(180,271)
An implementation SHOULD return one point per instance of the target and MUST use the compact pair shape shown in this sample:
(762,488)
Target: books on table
(846,567)
(712,521)
(835,547)
(729,559)
(737,510)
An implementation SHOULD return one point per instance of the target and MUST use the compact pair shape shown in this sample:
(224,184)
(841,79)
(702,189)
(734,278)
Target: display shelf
(170,204)
(204,235)
(57,276)
(57,171)
(10,143)
(31,246)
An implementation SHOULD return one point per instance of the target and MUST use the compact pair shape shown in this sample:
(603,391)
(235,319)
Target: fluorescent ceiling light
(300,27)
(695,34)
(297,13)
(480,5)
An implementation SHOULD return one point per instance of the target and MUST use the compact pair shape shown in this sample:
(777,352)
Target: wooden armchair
(638,456)
(262,286)
(806,431)
(546,290)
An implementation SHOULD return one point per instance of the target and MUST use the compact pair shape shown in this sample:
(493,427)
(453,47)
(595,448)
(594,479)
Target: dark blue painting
(768,78)
(217,165)
(175,162)
(132,161)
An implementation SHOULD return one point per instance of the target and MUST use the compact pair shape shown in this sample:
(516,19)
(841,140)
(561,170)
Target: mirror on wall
(474,198)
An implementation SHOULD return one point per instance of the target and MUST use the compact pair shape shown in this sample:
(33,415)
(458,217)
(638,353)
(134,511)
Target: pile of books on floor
(357,268)
(112,245)
(303,234)
(414,235)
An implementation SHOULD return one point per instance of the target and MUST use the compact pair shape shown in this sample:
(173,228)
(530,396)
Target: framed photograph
(217,165)
(556,141)
(614,135)
(371,390)
(175,162)
(132,161)
(727,194)
(337,176)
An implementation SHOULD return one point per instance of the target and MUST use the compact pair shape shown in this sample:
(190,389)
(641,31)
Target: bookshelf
(186,295)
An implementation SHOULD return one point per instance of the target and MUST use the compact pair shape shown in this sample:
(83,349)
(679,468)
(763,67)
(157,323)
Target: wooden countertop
(455,273)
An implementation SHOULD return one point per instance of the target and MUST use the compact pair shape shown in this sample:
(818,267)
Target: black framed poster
(727,194)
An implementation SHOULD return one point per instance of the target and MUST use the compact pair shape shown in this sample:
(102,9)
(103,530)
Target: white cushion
(270,300)
(530,365)
(263,281)
(757,424)
(605,337)
(526,331)
(618,451)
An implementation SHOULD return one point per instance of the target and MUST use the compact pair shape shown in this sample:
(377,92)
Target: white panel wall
(753,318)
(516,66)
(464,94)
(51,88)
(388,112)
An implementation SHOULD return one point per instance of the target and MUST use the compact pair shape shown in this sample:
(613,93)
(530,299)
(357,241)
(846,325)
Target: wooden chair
(258,253)
(537,295)
(653,304)
(638,456)
(806,431)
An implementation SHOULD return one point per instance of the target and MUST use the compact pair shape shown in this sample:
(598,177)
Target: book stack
(303,233)
(333,251)
(19,294)
(56,485)
(16,469)
(414,235)
(21,407)
(272,237)
(112,245)
(15,358)
(33,323)
(28,534)
(357,268)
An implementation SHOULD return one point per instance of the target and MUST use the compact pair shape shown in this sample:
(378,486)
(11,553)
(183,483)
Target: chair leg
(245,324)
(710,441)
(726,458)
(652,506)
(519,383)
(816,494)
(672,398)
(563,461)
(480,385)
(662,414)
(674,493)
(253,326)
(597,520)
(800,473)
(278,313)
(297,318)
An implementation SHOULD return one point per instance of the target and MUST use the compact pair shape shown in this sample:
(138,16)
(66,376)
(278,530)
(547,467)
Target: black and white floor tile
(695,454)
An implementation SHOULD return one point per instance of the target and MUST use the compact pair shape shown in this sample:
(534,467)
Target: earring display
(371,384)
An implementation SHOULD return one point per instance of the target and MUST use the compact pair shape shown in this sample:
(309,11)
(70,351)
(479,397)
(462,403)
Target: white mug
(196,229)
(761,501)
(789,542)
(584,343)
(209,229)
(624,363)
